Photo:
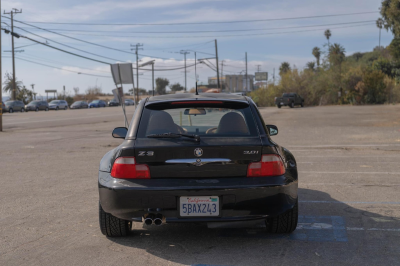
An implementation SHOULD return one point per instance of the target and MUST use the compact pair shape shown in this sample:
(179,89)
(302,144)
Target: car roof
(192,96)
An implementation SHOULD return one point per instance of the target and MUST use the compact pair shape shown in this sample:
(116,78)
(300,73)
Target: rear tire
(112,226)
(37,109)
(47,109)
(278,105)
(302,104)
(23,110)
(11,110)
(65,108)
(291,105)
(285,223)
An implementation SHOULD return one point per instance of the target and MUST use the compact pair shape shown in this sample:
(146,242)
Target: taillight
(126,167)
(270,165)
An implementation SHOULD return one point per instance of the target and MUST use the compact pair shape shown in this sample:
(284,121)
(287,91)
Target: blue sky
(269,48)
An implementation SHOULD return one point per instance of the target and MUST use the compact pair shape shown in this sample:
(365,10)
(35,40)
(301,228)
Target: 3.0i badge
(198,152)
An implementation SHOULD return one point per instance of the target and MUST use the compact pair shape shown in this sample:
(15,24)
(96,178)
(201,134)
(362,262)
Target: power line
(201,31)
(81,56)
(223,36)
(58,62)
(82,73)
(103,46)
(70,46)
(201,23)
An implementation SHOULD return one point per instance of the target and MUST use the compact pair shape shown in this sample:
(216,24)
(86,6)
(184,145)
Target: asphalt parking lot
(348,159)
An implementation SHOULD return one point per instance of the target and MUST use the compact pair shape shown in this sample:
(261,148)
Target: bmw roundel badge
(198,152)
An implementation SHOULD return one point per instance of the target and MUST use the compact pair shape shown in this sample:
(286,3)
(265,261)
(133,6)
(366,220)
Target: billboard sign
(260,76)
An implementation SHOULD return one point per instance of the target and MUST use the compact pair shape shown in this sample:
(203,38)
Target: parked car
(79,105)
(37,106)
(97,103)
(58,104)
(129,102)
(14,106)
(289,99)
(214,167)
(113,102)
(3,107)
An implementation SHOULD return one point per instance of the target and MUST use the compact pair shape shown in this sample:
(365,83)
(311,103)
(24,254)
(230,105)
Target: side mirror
(273,130)
(120,132)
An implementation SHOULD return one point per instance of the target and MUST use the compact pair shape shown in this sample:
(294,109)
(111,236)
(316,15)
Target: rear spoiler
(171,104)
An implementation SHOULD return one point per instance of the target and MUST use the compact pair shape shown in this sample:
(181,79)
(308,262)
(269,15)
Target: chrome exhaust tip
(149,219)
(158,220)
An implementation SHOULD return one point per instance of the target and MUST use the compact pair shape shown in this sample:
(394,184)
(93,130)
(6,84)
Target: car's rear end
(233,173)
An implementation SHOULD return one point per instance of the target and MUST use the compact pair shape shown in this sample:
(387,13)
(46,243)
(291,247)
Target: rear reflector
(198,102)
(270,165)
(126,168)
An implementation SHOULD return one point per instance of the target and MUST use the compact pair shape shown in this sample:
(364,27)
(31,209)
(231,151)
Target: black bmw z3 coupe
(197,158)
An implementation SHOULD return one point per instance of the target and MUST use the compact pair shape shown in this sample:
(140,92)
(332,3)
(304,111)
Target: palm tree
(328,34)
(379,24)
(317,53)
(285,67)
(8,84)
(336,54)
(336,57)
(310,65)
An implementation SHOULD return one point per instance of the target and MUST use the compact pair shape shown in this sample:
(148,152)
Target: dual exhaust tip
(157,219)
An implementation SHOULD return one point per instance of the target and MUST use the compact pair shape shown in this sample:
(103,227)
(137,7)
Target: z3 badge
(144,153)
(250,152)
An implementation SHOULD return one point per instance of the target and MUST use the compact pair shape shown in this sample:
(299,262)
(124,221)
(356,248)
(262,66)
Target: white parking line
(363,173)
(61,119)
(346,162)
(372,229)
(350,202)
(348,145)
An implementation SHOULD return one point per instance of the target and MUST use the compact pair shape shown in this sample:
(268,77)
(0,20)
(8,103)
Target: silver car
(58,105)
(14,106)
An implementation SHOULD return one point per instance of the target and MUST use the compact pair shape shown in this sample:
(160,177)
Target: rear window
(206,121)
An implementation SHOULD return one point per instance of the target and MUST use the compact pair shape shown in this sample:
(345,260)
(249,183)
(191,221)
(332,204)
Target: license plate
(199,206)
(282,103)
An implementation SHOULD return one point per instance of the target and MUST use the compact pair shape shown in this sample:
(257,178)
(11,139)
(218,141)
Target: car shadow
(326,224)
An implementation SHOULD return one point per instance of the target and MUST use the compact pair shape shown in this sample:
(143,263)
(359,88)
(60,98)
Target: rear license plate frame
(199,215)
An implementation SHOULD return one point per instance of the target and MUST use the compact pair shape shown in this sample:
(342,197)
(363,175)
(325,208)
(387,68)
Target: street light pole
(152,75)
(152,70)
(185,53)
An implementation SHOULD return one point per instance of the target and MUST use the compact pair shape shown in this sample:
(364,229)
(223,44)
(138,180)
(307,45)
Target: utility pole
(258,68)
(184,54)
(222,73)
(1,83)
(216,56)
(137,48)
(64,93)
(12,12)
(246,71)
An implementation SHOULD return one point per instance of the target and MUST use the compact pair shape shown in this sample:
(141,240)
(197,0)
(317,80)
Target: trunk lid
(210,158)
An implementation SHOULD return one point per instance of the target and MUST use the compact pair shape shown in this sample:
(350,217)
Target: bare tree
(76,90)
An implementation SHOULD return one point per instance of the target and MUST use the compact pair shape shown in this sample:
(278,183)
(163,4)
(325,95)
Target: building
(260,84)
(234,83)
(238,83)
(213,81)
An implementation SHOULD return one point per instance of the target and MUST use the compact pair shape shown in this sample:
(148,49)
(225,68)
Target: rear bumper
(240,198)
